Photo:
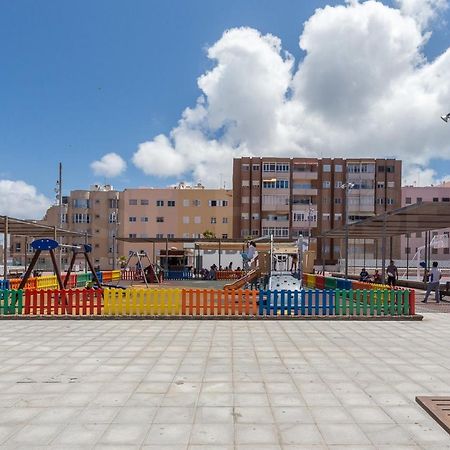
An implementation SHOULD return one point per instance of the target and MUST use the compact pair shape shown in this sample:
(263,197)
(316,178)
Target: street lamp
(446,117)
(347,186)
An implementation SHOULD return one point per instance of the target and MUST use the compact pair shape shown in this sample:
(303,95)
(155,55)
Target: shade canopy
(415,218)
(18,227)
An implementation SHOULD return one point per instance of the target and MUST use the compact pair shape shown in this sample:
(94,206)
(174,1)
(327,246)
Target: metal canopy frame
(28,228)
(420,217)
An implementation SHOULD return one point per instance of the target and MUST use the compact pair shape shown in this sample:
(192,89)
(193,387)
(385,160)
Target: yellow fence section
(47,282)
(142,302)
(115,275)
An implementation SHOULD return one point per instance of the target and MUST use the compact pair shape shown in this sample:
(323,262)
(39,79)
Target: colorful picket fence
(11,302)
(138,302)
(214,302)
(323,282)
(207,302)
(229,274)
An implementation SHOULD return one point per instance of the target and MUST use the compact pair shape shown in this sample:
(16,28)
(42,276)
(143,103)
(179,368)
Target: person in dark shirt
(364,275)
(392,274)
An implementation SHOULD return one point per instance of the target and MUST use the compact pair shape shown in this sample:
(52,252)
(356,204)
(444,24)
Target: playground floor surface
(207,385)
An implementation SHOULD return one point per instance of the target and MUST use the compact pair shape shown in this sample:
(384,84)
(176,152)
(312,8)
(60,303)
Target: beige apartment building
(93,212)
(287,197)
(182,211)
(102,214)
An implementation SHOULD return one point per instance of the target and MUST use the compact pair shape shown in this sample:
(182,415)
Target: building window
(255,216)
(275,231)
(132,219)
(435,199)
(185,202)
(327,168)
(255,183)
(113,202)
(338,184)
(159,235)
(434,251)
(338,167)
(390,169)
(408,200)
(132,201)
(245,183)
(132,235)
(196,202)
(224,236)
(170,235)
(337,217)
(326,184)
(159,202)
(445,199)
(224,219)
(81,218)
(185,235)
(255,232)
(245,167)
(282,167)
(144,219)
(171,203)
(213,220)
(81,203)
(214,202)
(337,201)
(255,167)
(446,251)
(391,184)
(390,201)
(185,220)
(269,167)
(144,202)
(244,216)
(197,219)
(255,199)
(160,219)
(245,200)
(419,200)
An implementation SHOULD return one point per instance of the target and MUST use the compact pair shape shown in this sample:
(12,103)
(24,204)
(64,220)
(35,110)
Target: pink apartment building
(182,211)
(410,244)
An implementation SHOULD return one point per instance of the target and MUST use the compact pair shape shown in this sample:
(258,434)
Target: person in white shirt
(433,283)
(249,255)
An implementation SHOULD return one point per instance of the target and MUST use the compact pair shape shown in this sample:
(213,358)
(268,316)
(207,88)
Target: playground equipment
(40,245)
(143,272)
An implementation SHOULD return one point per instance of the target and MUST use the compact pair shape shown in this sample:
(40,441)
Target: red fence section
(61,302)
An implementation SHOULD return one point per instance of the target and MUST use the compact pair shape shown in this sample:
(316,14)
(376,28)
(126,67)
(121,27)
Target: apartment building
(93,212)
(182,211)
(291,196)
(413,244)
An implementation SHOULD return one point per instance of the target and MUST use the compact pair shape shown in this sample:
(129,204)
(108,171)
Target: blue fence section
(343,284)
(100,276)
(4,284)
(178,275)
(300,303)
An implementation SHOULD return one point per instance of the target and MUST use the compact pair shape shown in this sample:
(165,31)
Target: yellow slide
(247,278)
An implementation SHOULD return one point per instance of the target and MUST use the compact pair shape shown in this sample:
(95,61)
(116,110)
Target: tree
(209,234)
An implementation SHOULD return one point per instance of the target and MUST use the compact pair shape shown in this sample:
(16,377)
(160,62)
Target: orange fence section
(78,302)
(229,274)
(211,302)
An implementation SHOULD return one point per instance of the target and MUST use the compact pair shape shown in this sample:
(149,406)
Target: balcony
(274,207)
(274,223)
(299,175)
(304,191)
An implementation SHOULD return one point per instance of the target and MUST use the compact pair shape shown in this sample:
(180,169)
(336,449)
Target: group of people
(391,272)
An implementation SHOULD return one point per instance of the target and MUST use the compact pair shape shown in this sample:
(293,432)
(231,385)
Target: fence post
(412,302)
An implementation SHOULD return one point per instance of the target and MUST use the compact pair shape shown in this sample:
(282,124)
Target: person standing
(433,283)
(392,274)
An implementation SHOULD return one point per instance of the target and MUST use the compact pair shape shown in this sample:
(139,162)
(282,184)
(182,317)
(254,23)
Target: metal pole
(5,249)
(383,251)
(346,231)
(25,254)
(53,258)
(364,252)
(60,222)
(85,242)
(220,251)
(407,256)
(167,255)
(309,222)
(114,251)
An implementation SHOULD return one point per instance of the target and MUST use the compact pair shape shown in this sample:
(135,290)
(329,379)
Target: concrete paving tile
(215,399)
(124,434)
(369,414)
(300,434)
(35,435)
(407,413)
(214,414)
(18,415)
(330,414)
(56,415)
(212,434)
(8,430)
(253,414)
(97,414)
(168,434)
(292,414)
(174,414)
(85,435)
(344,434)
(135,414)
(256,434)
(426,435)
(387,434)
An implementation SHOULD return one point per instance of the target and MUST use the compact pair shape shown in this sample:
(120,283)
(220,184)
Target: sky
(145,93)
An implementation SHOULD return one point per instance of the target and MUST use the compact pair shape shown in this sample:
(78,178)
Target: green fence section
(372,303)
(11,302)
(83,278)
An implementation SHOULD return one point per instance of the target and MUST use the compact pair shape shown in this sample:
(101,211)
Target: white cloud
(21,200)
(420,176)
(423,11)
(364,88)
(110,165)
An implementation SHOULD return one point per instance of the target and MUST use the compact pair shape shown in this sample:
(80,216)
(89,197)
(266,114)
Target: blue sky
(85,78)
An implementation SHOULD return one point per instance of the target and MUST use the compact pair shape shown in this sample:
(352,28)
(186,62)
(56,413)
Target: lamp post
(114,217)
(347,186)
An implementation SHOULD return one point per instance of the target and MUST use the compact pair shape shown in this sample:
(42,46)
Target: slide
(247,278)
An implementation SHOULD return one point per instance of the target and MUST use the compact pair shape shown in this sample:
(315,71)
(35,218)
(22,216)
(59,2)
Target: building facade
(412,245)
(291,196)
(182,211)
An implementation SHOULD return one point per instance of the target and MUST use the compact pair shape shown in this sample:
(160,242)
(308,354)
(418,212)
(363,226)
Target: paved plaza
(220,384)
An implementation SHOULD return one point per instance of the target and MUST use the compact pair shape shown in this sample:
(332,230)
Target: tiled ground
(222,384)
